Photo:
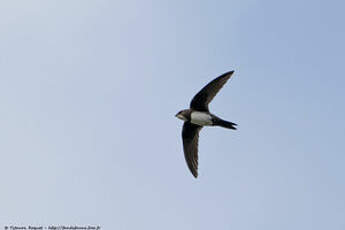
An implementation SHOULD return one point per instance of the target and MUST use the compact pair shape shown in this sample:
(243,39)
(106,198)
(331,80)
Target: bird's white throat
(180,116)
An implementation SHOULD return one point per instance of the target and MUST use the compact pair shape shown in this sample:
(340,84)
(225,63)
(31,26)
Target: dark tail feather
(225,124)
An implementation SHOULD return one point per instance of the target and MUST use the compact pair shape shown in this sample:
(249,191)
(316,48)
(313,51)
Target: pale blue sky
(88,94)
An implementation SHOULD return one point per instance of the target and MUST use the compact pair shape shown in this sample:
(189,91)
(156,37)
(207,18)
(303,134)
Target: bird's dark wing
(190,137)
(201,100)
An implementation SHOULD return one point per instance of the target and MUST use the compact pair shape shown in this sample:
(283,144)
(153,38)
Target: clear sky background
(88,94)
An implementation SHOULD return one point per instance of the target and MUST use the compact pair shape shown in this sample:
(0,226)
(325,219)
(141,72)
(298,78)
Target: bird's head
(182,115)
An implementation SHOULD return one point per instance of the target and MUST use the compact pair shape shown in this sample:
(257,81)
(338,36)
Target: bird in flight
(198,116)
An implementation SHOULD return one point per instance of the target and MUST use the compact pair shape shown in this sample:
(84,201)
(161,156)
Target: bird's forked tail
(225,124)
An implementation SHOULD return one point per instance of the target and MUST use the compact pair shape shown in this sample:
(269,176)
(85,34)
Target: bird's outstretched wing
(190,137)
(201,100)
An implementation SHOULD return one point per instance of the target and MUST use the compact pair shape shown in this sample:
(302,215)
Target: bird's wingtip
(195,174)
(228,74)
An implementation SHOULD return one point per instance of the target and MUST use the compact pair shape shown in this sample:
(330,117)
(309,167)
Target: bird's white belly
(200,118)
